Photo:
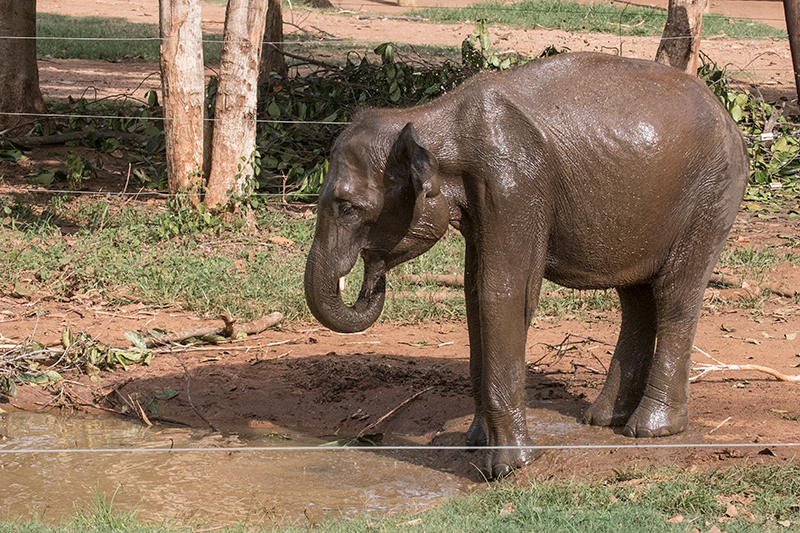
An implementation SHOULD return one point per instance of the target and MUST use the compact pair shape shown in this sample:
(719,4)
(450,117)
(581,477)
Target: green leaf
(166,394)
(137,339)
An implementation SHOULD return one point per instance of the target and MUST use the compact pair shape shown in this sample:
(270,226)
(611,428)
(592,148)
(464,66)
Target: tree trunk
(680,42)
(272,59)
(235,111)
(183,94)
(19,73)
(791,9)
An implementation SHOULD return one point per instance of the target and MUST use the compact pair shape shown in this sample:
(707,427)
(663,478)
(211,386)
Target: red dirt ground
(302,376)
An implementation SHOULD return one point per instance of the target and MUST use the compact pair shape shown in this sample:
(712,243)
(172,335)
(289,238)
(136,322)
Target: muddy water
(208,487)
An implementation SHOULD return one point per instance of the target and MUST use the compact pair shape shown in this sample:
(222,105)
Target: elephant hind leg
(627,373)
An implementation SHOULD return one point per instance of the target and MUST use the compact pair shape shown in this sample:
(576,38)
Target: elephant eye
(346,209)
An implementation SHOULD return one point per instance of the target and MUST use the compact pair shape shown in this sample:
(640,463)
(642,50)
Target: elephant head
(381,200)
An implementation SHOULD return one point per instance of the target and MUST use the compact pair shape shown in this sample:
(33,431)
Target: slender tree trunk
(19,73)
(680,42)
(183,94)
(791,9)
(235,111)
(272,59)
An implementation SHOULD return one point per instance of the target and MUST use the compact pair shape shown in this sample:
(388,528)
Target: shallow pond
(262,486)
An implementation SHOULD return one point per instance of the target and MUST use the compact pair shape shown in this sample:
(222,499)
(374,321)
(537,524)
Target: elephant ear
(411,163)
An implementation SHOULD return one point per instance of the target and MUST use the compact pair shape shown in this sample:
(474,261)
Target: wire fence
(315,42)
(325,448)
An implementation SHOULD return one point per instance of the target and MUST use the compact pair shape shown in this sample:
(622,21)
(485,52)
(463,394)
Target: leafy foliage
(772,144)
(33,363)
(303,115)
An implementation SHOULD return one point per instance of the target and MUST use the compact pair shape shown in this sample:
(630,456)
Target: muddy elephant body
(589,170)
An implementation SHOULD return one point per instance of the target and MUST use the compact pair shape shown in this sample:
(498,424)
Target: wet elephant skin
(590,170)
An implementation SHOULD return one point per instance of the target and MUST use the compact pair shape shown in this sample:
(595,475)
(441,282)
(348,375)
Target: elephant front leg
(476,434)
(505,316)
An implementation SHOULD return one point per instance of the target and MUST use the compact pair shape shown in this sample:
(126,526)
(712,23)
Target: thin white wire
(110,117)
(29,451)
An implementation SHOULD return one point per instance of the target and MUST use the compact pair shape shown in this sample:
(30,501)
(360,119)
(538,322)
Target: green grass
(193,261)
(116,39)
(113,39)
(575,17)
(631,500)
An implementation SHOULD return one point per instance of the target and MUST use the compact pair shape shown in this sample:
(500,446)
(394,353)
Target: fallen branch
(230,330)
(707,367)
(63,138)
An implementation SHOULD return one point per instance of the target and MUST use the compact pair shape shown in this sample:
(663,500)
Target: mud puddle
(263,486)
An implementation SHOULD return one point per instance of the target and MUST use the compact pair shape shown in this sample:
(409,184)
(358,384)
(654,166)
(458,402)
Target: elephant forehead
(357,183)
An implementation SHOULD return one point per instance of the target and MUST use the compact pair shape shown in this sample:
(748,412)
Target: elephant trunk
(325,299)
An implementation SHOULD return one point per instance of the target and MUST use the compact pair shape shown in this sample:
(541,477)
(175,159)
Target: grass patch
(196,262)
(600,18)
(111,39)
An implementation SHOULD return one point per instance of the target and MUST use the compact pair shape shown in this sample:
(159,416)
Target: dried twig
(189,394)
(719,425)
(393,411)
(576,364)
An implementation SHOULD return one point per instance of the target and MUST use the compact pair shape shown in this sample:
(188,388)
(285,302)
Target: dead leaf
(790,336)
(753,341)
(731,511)
(507,508)
(281,241)
(714,529)
(613,499)
(784,523)
(677,519)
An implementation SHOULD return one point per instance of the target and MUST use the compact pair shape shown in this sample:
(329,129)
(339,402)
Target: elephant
(587,169)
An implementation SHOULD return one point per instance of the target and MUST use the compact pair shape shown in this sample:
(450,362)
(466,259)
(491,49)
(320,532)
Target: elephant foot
(604,413)
(656,419)
(476,436)
(502,463)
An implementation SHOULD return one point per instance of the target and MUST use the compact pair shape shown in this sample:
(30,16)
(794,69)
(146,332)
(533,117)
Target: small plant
(78,169)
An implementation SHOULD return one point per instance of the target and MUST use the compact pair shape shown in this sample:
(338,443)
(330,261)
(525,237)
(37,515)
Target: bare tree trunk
(19,73)
(680,42)
(272,59)
(235,111)
(791,9)
(183,93)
